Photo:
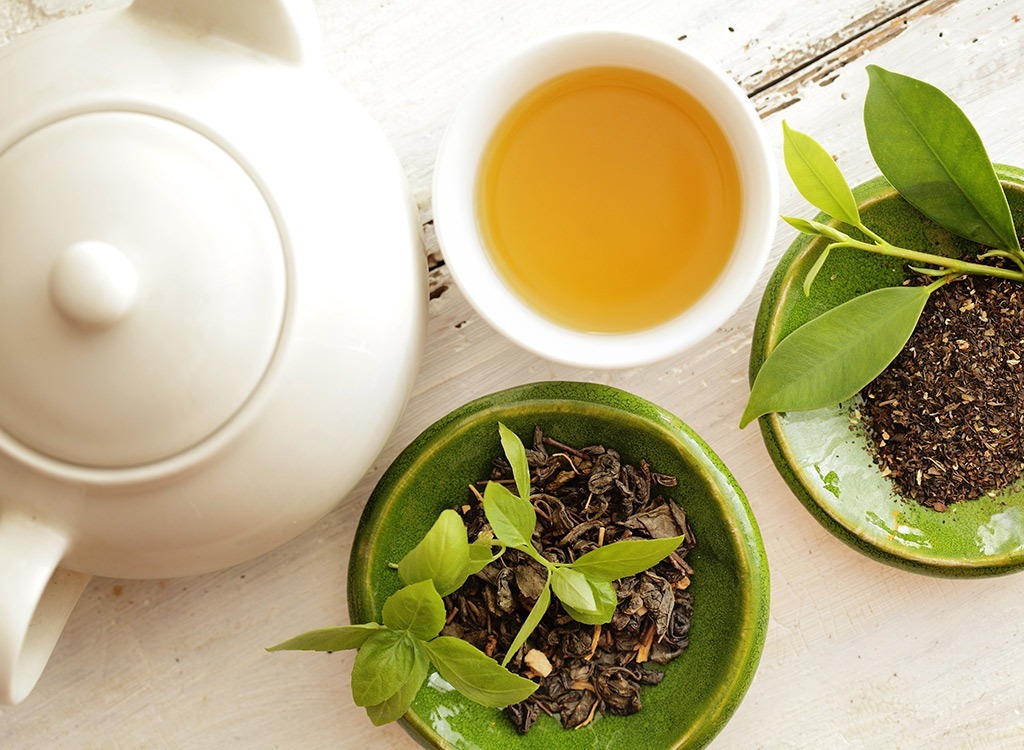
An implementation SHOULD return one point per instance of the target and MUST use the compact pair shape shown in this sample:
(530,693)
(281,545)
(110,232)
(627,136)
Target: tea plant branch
(1004,254)
(930,152)
(881,247)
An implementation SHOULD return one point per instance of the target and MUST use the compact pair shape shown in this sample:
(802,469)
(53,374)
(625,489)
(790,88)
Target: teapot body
(203,457)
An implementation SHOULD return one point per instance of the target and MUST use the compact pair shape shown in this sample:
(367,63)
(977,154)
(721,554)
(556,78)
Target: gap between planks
(771,90)
(784,91)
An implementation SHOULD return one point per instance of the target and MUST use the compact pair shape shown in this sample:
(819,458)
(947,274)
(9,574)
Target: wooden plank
(857,655)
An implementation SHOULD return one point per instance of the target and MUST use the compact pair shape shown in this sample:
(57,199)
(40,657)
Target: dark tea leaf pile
(584,499)
(946,417)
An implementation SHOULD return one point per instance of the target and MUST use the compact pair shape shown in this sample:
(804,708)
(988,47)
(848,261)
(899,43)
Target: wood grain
(858,655)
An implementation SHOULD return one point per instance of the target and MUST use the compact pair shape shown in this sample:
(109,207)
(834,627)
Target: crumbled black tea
(946,416)
(584,499)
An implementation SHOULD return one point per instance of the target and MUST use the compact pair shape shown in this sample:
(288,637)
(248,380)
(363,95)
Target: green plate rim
(755,572)
(765,330)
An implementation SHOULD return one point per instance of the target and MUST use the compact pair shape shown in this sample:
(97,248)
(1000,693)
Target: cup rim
(456,173)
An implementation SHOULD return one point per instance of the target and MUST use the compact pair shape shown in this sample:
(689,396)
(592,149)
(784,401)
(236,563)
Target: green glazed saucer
(703,687)
(826,463)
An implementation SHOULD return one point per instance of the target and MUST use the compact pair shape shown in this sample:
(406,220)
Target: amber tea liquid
(609,199)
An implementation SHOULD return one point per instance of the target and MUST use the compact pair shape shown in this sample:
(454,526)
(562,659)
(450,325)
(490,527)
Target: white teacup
(462,150)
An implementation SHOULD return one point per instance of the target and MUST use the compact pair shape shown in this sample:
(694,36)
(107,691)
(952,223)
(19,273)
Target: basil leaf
(441,556)
(417,608)
(831,357)
(382,665)
(511,518)
(817,177)
(476,675)
(395,707)
(930,152)
(339,638)
(606,599)
(531,621)
(572,588)
(622,559)
(480,556)
(516,455)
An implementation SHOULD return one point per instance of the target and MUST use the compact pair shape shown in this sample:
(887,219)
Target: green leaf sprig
(930,152)
(584,587)
(395,655)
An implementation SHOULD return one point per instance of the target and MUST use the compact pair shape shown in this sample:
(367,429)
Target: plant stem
(530,550)
(954,264)
(871,234)
(1005,254)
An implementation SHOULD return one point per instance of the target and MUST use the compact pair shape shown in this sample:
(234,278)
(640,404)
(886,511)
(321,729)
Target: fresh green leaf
(833,356)
(531,621)
(476,675)
(930,152)
(382,665)
(572,588)
(815,270)
(395,707)
(442,556)
(516,455)
(339,638)
(417,608)
(816,228)
(480,556)
(512,519)
(817,177)
(622,559)
(606,599)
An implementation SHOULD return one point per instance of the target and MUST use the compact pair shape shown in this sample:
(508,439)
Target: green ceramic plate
(703,687)
(825,463)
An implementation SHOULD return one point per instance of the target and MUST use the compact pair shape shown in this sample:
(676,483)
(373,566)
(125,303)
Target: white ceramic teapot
(212,300)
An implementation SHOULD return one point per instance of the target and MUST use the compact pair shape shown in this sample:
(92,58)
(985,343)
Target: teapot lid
(142,289)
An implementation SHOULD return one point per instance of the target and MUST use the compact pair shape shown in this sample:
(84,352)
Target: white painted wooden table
(858,654)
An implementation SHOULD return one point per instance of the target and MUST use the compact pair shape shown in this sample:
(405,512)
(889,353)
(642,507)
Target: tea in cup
(605,199)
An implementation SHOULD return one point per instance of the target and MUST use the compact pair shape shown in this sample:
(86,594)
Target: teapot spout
(284,29)
(36,598)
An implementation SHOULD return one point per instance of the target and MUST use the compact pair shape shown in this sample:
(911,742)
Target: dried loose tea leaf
(946,419)
(585,499)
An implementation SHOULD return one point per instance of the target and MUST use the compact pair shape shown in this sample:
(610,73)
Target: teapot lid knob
(93,284)
(143,281)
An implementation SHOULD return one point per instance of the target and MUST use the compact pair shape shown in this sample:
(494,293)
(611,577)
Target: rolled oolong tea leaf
(395,707)
(382,666)
(626,558)
(833,356)
(417,608)
(512,518)
(816,176)
(930,152)
(338,638)
(476,675)
(442,556)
